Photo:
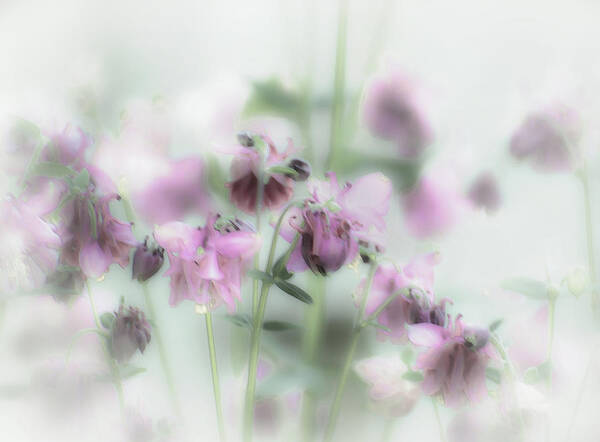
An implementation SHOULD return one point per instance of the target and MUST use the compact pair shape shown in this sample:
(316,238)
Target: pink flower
(433,205)
(333,221)
(206,264)
(455,362)
(68,147)
(393,111)
(246,169)
(547,137)
(388,389)
(30,247)
(484,192)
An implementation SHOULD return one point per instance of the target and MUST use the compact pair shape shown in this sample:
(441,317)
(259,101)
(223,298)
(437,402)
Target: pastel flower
(30,247)
(130,332)
(247,167)
(484,192)
(206,264)
(67,147)
(389,391)
(146,261)
(546,138)
(455,362)
(334,220)
(394,111)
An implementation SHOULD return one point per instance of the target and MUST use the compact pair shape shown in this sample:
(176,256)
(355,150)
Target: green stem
(388,429)
(381,308)
(339,84)
(580,391)
(164,362)
(337,401)
(439,420)
(215,375)
(585,181)
(259,201)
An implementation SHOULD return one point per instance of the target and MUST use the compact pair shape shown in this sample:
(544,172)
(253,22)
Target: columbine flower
(455,362)
(413,302)
(389,390)
(393,111)
(130,332)
(546,138)
(29,247)
(206,263)
(484,192)
(146,261)
(247,167)
(68,147)
(333,221)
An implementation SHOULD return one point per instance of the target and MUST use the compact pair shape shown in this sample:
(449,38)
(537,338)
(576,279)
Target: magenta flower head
(147,260)
(455,362)
(547,138)
(207,263)
(334,220)
(68,147)
(484,192)
(394,111)
(130,331)
(30,247)
(257,157)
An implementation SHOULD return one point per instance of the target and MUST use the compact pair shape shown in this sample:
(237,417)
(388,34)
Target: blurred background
(154,82)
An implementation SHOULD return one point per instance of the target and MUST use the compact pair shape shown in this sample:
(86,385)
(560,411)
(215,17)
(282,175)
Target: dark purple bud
(476,337)
(301,167)
(146,261)
(65,283)
(245,139)
(484,192)
(130,332)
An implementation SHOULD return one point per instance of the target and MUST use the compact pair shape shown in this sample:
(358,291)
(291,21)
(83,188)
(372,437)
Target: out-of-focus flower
(171,196)
(414,301)
(333,221)
(206,264)
(30,247)
(455,362)
(547,138)
(530,352)
(130,332)
(146,261)
(394,111)
(251,164)
(389,390)
(433,205)
(67,147)
(65,283)
(302,169)
(484,192)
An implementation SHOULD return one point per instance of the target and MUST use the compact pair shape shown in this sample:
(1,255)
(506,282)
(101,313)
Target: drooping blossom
(130,331)
(413,301)
(546,138)
(147,260)
(433,205)
(455,360)
(388,390)
(93,238)
(250,164)
(333,221)
(484,192)
(30,247)
(207,263)
(393,110)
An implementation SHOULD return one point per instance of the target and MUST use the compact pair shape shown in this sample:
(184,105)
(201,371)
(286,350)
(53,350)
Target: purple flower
(146,261)
(484,192)
(130,332)
(246,169)
(68,147)
(333,221)
(30,247)
(393,111)
(206,264)
(455,362)
(547,137)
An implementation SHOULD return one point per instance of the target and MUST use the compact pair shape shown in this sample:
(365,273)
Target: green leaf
(495,325)
(257,274)
(284,170)
(413,376)
(533,375)
(129,371)
(93,220)
(279,326)
(107,319)
(280,271)
(407,356)
(271,98)
(82,180)
(294,290)
(528,287)
(493,374)
(52,170)
(239,319)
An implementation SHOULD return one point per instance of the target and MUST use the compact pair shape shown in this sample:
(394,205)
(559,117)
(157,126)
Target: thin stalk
(551,316)
(215,375)
(580,391)
(339,84)
(381,308)
(259,200)
(337,401)
(164,362)
(439,420)
(589,230)
(388,429)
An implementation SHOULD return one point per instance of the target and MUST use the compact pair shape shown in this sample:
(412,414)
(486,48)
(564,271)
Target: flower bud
(245,139)
(146,261)
(130,332)
(301,167)
(577,281)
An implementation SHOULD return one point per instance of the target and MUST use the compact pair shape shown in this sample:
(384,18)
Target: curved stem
(337,401)
(164,362)
(585,181)
(580,391)
(439,420)
(259,203)
(215,375)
